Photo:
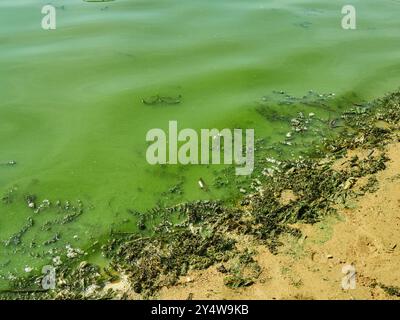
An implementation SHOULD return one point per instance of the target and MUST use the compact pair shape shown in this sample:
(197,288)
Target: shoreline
(365,234)
(234,244)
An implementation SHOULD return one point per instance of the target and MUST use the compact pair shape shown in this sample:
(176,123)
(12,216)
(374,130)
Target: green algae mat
(76,104)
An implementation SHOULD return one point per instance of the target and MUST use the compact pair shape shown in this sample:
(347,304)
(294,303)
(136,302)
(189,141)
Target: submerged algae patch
(15,239)
(162,100)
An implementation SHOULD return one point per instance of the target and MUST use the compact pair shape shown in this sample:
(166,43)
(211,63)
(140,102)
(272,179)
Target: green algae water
(73,122)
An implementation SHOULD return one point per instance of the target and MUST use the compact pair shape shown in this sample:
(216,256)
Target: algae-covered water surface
(76,103)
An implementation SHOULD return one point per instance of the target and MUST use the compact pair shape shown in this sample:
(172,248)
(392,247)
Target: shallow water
(71,106)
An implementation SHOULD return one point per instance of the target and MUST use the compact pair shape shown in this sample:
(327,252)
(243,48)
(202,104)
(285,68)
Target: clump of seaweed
(83,282)
(243,270)
(371,186)
(71,211)
(158,261)
(391,290)
(9,196)
(73,281)
(158,99)
(15,239)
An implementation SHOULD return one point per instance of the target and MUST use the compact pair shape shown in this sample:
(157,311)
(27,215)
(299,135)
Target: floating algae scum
(76,104)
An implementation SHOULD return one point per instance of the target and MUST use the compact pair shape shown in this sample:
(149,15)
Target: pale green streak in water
(70,100)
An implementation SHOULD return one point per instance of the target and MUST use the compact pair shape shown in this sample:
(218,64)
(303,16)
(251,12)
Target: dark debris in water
(10,163)
(15,239)
(162,100)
